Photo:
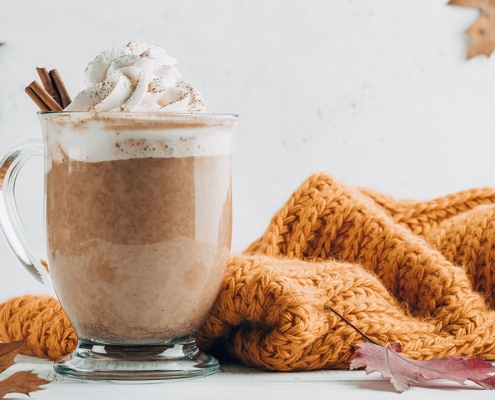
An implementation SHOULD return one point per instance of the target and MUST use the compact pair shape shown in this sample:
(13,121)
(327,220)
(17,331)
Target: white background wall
(377,93)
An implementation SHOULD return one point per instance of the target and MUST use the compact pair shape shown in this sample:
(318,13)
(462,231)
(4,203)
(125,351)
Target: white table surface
(235,382)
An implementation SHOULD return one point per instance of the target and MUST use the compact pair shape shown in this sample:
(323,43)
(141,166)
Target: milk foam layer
(136,77)
(94,137)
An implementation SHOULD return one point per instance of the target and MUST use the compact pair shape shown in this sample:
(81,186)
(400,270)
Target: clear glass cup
(138,217)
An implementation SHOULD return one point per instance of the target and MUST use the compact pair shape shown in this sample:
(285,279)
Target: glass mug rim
(156,114)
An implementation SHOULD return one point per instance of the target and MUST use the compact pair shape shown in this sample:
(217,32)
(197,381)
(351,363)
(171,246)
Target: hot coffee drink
(138,213)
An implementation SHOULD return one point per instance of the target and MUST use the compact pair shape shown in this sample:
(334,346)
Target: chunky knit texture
(418,273)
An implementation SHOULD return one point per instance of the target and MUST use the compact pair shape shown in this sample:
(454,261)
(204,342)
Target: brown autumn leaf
(482,32)
(403,371)
(22,381)
(8,351)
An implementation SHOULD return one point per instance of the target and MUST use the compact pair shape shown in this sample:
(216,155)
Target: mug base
(174,360)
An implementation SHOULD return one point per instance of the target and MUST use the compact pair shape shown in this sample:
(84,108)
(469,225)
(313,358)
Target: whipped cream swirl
(137,77)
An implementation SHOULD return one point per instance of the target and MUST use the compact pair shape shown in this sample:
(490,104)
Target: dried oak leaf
(482,32)
(8,351)
(403,371)
(20,382)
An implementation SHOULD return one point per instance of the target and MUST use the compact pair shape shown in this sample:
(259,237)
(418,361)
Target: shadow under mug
(138,223)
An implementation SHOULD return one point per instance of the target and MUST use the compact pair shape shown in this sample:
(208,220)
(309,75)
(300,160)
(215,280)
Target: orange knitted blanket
(418,273)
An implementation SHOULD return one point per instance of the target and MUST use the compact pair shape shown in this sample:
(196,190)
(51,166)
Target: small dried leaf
(8,351)
(21,382)
(403,371)
(482,32)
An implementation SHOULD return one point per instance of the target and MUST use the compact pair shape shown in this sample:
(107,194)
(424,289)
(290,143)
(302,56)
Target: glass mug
(138,217)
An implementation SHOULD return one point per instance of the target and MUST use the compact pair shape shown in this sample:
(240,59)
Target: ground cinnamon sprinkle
(402,271)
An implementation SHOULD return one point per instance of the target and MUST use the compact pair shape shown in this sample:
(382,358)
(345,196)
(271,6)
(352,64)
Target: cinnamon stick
(45,96)
(59,85)
(40,103)
(46,81)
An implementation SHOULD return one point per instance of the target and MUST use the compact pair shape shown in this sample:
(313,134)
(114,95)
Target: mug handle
(10,221)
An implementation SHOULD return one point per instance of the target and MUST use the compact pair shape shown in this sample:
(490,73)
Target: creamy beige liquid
(137,247)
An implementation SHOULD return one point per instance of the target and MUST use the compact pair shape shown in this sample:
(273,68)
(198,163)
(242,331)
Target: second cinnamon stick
(60,86)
